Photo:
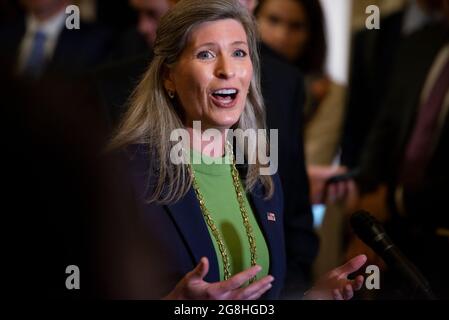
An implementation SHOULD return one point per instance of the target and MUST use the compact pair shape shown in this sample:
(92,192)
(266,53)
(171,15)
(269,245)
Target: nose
(225,68)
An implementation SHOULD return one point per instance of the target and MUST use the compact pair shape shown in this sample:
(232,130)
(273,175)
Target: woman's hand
(335,285)
(193,286)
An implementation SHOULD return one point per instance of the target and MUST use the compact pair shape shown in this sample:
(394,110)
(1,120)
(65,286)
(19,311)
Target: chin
(223,124)
(224,118)
(226,122)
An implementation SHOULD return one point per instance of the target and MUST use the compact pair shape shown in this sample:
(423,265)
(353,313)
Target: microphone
(373,234)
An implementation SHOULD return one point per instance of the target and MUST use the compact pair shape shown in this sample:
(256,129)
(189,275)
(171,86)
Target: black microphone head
(362,219)
(366,227)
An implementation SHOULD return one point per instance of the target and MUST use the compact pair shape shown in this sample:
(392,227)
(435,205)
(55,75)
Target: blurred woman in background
(295,30)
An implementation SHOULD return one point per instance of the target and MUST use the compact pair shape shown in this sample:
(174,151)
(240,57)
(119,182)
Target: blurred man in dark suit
(40,42)
(373,57)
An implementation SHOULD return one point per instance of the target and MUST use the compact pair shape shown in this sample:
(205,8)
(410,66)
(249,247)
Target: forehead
(220,31)
(284,9)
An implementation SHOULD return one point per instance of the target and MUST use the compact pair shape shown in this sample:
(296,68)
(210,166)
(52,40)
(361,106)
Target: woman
(220,227)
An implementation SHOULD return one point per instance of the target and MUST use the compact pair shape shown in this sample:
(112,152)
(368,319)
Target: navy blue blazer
(183,235)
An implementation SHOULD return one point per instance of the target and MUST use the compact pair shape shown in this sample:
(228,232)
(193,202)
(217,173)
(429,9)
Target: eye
(240,53)
(273,19)
(204,55)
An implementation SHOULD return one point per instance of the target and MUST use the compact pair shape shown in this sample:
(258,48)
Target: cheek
(194,79)
(246,75)
(191,83)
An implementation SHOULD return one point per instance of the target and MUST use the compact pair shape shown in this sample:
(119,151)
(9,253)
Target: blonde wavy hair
(152,115)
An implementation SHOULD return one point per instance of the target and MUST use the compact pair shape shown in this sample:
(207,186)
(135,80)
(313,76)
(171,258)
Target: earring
(171,94)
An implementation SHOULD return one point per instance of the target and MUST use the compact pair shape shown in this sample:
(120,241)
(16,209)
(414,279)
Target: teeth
(226,91)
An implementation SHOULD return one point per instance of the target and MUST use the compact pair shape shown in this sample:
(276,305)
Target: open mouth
(225,97)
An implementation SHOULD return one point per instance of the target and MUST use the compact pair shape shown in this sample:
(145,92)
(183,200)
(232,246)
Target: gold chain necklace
(211,224)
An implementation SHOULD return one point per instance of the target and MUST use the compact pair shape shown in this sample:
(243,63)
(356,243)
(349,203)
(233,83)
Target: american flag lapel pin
(271,216)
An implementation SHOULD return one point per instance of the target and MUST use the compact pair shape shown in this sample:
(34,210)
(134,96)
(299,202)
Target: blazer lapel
(272,230)
(189,219)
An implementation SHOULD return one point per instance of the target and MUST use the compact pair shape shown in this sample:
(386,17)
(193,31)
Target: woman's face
(213,74)
(283,26)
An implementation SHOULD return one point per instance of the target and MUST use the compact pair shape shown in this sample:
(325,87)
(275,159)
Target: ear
(167,77)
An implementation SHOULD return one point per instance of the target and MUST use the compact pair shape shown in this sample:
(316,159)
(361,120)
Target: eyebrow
(211,44)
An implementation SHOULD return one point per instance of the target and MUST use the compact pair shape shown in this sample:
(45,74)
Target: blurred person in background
(295,30)
(373,56)
(406,152)
(39,42)
(132,53)
(149,14)
(139,39)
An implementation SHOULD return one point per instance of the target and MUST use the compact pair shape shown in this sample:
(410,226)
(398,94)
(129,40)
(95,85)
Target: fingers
(354,285)
(239,279)
(351,266)
(320,191)
(259,293)
(348,293)
(336,294)
(336,192)
(200,270)
(255,290)
(357,283)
